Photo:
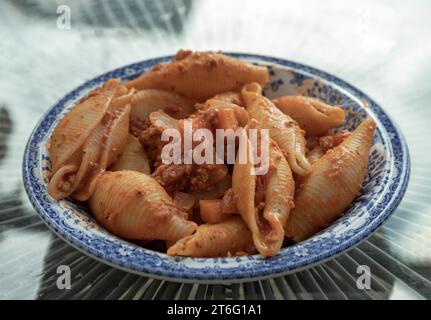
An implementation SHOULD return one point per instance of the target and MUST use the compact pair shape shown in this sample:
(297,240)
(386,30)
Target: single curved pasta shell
(201,75)
(101,149)
(312,115)
(132,158)
(267,226)
(333,183)
(133,205)
(74,128)
(282,128)
(146,101)
(230,237)
(278,202)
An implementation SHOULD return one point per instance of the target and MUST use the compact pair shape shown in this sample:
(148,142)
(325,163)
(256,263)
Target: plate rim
(220,276)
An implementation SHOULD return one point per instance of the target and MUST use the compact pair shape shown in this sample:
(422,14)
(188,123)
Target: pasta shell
(101,149)
(265,222)
(282,128)
(133,205)
(201,75)
(333,183)
(74,128)
(133,157)
(230,237)
(312,115)
(78,173)
(146,101)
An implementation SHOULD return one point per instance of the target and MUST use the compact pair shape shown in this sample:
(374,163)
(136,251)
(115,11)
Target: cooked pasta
(265,201)
(146,101)
(103,146)
(230,237)
(283,129)
(111,151)
(133,157)
(74,128)
(312,115)
(99,150)
(200,75)
(134,206)
(334,181)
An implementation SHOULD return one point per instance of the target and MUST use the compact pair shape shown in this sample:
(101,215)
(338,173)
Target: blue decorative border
(121,254)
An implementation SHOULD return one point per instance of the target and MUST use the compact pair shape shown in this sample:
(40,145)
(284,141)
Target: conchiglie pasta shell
(133,205)
(101,149)
(282,128)
(74,128)
(278,201)
(201,75)
(146,101)
(133,157)
(230,237)
(266,225)
(312,115)
(333,183)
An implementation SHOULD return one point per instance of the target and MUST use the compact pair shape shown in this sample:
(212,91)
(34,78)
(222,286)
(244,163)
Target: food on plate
(192,157)
(333,183)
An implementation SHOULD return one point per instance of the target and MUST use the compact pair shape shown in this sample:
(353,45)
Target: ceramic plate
(383,188)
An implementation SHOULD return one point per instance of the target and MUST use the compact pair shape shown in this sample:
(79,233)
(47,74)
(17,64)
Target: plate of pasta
(215,167)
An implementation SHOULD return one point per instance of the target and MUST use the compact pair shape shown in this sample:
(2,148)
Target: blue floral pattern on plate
(383,188)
